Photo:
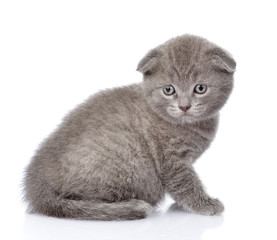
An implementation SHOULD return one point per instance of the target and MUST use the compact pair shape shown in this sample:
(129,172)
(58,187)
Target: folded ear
(222,60)
(148,62)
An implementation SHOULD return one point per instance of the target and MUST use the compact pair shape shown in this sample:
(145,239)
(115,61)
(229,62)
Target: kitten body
(116,154)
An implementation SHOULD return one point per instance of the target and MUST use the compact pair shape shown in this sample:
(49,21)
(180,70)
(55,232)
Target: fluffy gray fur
(115,155)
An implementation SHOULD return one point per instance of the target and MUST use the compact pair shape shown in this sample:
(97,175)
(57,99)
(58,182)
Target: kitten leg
(185,187)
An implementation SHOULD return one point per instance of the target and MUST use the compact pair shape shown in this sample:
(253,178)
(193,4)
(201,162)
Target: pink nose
(184,108)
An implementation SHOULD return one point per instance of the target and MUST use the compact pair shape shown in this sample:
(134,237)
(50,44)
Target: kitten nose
(185,108)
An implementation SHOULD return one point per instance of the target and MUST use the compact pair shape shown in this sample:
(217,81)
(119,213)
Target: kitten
(115,155)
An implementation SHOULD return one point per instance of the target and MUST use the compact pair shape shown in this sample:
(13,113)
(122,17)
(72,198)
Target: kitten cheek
(173,112)
(156,97)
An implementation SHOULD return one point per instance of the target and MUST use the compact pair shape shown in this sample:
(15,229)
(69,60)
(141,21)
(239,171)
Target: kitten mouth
(187,113)
(176,113)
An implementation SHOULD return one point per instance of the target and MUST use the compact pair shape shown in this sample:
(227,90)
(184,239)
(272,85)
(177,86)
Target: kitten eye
(200,89)
(169,90)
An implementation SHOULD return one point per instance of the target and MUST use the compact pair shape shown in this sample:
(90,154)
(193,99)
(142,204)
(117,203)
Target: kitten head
(187,79)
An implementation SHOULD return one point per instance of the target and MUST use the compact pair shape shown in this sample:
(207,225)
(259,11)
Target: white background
(54,54)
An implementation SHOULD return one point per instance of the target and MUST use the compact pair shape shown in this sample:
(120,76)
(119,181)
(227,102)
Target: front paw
(208,206)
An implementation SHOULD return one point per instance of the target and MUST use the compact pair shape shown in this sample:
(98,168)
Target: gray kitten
(116,155)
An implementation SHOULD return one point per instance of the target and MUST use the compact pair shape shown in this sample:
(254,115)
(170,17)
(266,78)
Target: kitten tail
(89,210)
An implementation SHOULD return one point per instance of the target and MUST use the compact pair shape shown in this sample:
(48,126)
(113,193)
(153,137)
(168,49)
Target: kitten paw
(209,207)
(175,207)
